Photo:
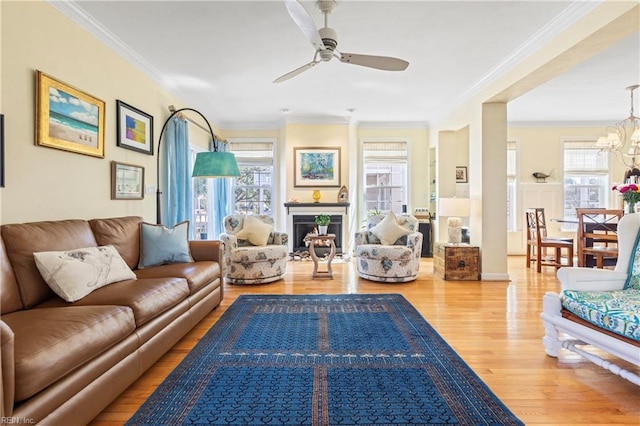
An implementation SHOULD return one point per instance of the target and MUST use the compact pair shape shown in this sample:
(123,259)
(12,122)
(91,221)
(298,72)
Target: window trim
(275,173)
(362,170)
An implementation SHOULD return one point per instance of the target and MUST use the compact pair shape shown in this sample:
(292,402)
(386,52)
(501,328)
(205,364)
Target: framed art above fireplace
(316,167)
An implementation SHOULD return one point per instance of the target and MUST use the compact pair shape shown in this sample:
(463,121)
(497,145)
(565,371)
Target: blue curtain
(177,185)
(221,190)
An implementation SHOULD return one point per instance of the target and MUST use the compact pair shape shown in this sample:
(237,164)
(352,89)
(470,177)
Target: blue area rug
(322,360)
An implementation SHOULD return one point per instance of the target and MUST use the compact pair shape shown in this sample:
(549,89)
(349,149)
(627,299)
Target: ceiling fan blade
(304,21)
(295,72)
(386,63)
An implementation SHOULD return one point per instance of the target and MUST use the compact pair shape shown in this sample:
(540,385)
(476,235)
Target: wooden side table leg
(332,254)
(314,257)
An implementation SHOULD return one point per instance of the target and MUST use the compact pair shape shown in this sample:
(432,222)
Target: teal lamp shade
(215,164)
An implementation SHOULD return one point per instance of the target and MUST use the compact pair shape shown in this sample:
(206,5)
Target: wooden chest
(459,262)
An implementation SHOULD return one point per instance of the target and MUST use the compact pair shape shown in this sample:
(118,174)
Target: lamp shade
(215,164)
(454,207)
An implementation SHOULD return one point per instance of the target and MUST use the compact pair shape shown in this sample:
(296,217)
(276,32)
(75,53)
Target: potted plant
(323,220)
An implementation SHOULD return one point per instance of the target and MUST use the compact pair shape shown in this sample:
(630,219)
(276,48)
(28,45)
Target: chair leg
(529,255)
(539,258)
(570,260)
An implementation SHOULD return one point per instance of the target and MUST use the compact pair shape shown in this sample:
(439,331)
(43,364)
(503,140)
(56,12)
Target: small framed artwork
(68,118)
(127,181)
(461,174)
(135,128)
(316,167)
(1,150)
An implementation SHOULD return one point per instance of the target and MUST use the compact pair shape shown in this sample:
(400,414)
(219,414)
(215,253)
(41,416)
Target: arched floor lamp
(209,164)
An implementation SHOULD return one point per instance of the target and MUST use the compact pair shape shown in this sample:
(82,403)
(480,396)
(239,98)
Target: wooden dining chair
(538,242)
(598,237)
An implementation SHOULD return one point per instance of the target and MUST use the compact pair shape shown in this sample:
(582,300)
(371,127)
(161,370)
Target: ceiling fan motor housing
(330,41)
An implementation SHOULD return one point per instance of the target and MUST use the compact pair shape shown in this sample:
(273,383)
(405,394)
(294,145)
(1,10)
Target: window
(511,185)
(202,210)
(586,176)
(385,176)
(253,189)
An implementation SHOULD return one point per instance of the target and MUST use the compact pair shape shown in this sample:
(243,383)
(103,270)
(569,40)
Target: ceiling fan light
(613,139)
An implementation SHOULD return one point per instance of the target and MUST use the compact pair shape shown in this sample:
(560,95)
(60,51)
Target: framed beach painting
(135,128)
(68,118)
(127,181)
(316,167)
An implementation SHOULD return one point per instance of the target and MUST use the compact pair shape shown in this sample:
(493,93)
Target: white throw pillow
(388,230)
(74,274)
(255,230)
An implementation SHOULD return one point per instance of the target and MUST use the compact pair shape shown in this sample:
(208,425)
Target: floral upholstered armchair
(389,248)
(254,253)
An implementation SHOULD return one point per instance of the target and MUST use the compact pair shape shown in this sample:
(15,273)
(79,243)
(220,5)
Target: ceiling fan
(325,42)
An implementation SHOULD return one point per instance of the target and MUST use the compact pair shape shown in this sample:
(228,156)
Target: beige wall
(540,150)
(44,183)
(418,147)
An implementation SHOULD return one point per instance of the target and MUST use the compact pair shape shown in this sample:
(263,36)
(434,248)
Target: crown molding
(393,124)
(514,124)
(71,9)
(569,16)
(256,125)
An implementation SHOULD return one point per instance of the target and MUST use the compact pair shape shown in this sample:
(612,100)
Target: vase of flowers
(630,194)
(323,220)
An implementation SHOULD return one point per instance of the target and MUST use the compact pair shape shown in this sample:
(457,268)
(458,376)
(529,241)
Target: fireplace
(301,220)
(304,224)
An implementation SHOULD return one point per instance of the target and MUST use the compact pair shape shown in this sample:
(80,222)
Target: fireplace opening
(305,224)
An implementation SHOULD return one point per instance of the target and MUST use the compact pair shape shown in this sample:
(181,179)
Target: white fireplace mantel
(314,209)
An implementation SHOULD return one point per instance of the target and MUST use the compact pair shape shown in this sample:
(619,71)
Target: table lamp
(454,208)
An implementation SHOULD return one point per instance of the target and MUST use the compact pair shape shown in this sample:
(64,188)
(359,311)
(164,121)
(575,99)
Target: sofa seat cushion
(617,311)
(51,342)
(197,274)
(147,298)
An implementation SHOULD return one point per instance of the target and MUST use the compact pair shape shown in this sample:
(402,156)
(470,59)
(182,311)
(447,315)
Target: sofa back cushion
(22,240)
(9,293)
(123,233)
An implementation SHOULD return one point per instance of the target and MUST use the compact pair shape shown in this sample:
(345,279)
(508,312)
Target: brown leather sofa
(63,363)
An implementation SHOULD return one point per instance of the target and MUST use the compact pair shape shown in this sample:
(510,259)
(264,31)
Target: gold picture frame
(127,181)
(68,118)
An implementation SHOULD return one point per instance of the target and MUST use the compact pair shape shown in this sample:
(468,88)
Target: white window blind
(385,169)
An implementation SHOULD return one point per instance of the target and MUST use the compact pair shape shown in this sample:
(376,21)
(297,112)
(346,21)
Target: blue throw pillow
(160,245)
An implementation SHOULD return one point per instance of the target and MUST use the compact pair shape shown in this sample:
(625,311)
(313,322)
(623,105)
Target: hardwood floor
(494,326)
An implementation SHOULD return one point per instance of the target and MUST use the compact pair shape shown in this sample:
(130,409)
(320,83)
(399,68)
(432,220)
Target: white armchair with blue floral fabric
(254,253)
(389,248)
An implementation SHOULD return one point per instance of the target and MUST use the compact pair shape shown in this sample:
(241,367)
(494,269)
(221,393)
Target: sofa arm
(7,372)
(207,250)
(590,279)
(280,238)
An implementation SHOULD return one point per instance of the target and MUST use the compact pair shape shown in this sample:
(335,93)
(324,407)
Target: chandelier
(625,133)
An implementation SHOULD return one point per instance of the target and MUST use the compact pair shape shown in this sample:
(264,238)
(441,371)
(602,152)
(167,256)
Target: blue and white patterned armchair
(248,263)
(397,262)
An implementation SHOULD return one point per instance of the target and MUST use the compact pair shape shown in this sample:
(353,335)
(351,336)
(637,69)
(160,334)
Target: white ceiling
(221,57)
